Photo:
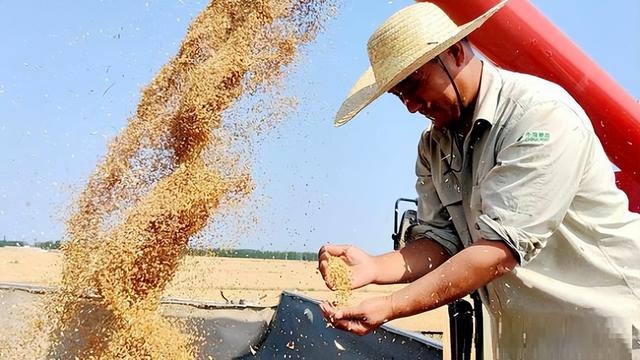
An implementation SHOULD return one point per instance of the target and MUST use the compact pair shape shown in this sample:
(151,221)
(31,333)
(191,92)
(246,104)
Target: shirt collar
(487,102)
(488,95)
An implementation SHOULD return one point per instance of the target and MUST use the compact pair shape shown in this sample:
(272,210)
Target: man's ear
(458,53)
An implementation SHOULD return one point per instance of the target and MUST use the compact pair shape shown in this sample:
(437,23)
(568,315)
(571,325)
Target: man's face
(429,92)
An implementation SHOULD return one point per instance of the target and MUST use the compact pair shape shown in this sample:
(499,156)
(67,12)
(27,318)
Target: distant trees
(48,245)
(228,253)
(255,254)
(4,243)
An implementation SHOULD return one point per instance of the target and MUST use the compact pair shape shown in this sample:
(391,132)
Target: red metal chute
(520,38)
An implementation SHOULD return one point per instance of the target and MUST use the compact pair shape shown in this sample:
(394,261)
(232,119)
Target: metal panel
(298,331)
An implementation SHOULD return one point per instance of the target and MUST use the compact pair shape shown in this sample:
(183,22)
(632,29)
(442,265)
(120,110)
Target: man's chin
(441,122)
(432,119)
(437,122)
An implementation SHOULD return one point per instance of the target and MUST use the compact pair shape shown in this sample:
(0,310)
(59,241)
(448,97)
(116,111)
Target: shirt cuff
(448,240)
(524,245)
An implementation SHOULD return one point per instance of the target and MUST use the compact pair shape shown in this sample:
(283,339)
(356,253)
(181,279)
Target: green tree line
(228,253)
(4,243)
(255,254)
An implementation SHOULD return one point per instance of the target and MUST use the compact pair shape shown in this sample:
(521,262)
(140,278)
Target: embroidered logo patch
(536,136)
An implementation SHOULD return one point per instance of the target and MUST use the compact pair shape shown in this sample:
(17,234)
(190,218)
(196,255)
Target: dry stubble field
(204,278)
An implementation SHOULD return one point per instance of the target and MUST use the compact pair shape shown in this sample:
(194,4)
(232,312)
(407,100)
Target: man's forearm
(410,263)
(468,270)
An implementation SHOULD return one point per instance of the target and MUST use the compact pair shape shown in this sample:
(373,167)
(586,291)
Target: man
(516,198)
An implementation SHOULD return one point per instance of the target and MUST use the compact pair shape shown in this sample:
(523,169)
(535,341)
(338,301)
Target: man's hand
(360,319)
(362,266)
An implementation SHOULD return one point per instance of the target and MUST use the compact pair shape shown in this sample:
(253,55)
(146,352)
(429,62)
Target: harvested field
(207,278)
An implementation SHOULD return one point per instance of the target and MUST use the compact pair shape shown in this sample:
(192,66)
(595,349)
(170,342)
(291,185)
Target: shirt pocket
(451,199)
(450,194)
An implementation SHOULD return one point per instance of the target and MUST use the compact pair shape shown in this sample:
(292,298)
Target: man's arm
(412,262)
(406,265)
(464,272)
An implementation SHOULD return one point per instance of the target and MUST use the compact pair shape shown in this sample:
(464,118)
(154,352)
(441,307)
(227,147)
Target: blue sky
(71,73)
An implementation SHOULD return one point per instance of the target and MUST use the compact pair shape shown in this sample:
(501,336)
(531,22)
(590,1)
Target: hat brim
(366,89)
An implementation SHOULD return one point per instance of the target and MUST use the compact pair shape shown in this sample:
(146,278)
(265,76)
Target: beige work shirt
(532,173)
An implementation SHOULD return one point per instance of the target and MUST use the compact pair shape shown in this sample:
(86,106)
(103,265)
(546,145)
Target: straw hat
(401,45)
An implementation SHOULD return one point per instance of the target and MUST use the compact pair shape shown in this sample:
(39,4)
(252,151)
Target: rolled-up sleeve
(434,222)
(539,165)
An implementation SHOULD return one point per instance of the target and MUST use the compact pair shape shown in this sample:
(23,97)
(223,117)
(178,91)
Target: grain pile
(339,276)
(181,157)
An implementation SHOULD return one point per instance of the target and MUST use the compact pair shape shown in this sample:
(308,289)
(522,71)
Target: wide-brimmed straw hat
(401,45)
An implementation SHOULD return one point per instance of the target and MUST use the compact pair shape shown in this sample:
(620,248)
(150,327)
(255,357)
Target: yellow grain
(339,275)
(181,156)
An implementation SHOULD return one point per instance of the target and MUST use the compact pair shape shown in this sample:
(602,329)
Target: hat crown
(410,31)
(406,41)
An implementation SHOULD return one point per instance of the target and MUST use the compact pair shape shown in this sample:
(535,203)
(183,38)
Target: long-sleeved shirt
(532,173)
